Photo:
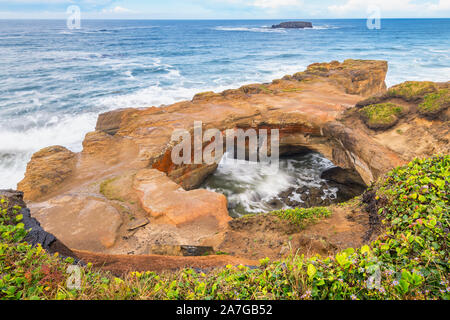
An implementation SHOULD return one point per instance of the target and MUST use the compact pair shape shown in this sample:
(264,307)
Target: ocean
(55,81)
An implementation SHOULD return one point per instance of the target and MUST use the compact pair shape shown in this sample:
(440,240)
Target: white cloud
(273,4)
(118,9)
(265,4)
(354,6)
(442,5)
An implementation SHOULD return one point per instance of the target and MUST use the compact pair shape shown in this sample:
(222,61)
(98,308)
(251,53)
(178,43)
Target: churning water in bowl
(253,188)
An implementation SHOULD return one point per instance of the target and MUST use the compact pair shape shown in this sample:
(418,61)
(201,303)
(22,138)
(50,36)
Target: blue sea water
(54,81)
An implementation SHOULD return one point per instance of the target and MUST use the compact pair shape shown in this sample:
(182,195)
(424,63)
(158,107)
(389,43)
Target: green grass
(302,216)
(435,102)
(381,116)
(410,260)
(411,90)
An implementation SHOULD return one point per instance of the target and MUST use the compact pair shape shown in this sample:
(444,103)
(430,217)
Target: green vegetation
(410,260)
(292,90)
(25,272)
(435,102)
(411,90)
(265,89)
(318,68)
(108,189)
(205,95)
(221,253)
(381,116)
(302,216)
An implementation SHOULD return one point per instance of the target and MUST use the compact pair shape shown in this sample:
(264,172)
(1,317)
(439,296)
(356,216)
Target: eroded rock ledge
(125,172)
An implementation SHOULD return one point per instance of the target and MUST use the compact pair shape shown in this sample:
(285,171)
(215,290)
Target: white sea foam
(251,186)
(18,146)
(325,27)
(247,29)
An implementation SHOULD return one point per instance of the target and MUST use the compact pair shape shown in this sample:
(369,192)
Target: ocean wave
(183,89)
(155,95)
(248,29)
(12,168)
(18,146)
(325,27)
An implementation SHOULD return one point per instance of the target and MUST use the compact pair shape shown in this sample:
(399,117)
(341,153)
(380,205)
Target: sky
(224,9)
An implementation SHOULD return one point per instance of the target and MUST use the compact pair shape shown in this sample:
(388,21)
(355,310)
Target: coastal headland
(124,205)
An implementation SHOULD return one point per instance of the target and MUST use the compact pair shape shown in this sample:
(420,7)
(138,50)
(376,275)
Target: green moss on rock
(434,103)
(412,90)
(110,190)
(381,116)
(205,95)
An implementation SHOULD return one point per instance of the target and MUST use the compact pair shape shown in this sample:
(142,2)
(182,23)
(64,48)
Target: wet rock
(196,250)
(348,183)
(342,176)
(305,197)
(180,250)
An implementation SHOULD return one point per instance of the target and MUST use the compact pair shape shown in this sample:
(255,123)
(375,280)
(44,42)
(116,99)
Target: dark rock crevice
(36,235)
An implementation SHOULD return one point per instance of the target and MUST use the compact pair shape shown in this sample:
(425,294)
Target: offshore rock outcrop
(293,25)
(126,168)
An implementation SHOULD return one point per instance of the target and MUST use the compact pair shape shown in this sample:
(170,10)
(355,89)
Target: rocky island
(293,25)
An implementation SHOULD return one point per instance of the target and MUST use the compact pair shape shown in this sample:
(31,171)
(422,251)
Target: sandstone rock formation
(125,171)
(160,196)
(48,169)
(80,222)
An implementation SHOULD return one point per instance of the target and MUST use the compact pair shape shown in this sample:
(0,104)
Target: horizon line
(227,19)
